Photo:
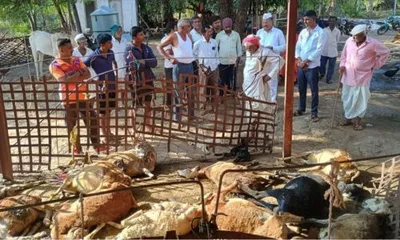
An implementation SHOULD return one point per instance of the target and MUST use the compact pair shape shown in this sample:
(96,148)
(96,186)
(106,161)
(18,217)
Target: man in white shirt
(196,36)
(330,51)
(196,30)
(82,51)
(206,53)
(118,47)
(170,29)
(230,51)
(273,39)
(309,48)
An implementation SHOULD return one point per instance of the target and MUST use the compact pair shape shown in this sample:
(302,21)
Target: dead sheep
(16,221)
(357,226)
(231,180)
(98,210)
(163,217)
(137,162)
(96,176)
(240,215)
(347,171)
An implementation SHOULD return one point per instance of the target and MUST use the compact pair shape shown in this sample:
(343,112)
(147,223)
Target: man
(196,34)
(216,25)
(361,55)
(309,47)
(262,65)
(170,29)
(119,45)
(330,51)
(88,35)
(103,63)
(206,53)
(140,60)
(72,73)
(196,31)
(82,51)
(230,50)
(182,47)
(272,38)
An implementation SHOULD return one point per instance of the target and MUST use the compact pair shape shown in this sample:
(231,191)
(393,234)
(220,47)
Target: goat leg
(148,173)
(92,234)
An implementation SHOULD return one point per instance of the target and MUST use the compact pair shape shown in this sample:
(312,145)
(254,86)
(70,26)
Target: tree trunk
(76,17)
(32,20)
(64,23)
(241,17)
(70,17)
(226,8)
(167,12)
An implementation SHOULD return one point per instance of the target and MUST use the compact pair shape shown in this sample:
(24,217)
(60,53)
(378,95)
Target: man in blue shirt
(309,48)
(140,60)
(103,63)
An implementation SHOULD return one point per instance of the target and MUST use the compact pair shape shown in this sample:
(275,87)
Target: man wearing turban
(361,55)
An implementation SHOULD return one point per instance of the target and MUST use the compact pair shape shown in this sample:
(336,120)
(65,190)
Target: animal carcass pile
(279,205)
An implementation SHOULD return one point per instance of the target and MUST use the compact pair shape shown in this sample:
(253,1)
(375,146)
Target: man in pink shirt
(361,55)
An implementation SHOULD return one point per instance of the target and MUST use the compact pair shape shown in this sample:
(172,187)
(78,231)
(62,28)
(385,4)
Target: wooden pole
(289,78)
(5,154)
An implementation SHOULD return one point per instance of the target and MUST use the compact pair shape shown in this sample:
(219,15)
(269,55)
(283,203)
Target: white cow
(44,43)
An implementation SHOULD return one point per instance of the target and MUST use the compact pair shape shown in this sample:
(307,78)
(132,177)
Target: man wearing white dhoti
(272,38)
(361,55)
(262,65)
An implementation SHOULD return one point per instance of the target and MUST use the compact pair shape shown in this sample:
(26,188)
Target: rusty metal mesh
(14,51)
(387,186)
(38,135)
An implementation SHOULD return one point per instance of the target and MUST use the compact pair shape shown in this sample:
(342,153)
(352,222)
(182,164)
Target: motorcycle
(391,21)
(346,26)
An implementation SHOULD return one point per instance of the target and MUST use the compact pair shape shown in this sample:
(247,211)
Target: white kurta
(119,50)
(254,71)
(355,101)
(78,54)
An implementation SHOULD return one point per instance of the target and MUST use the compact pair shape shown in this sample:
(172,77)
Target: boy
(71,73)
(140,60)
(103,63)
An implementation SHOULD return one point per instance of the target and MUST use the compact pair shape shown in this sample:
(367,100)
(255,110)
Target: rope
(82,215)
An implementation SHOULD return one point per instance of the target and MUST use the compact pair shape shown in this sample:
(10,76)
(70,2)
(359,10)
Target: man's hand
(173,60)
(237,61)
(342,70)
(266,78)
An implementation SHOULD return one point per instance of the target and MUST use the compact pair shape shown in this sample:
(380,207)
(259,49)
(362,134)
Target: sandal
(298,113)
(358,127)
(347,122)
(315,119)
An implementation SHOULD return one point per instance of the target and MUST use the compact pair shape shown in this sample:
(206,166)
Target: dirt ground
(380,136)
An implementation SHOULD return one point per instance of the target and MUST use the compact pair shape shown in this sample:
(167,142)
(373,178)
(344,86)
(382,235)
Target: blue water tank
(103,19)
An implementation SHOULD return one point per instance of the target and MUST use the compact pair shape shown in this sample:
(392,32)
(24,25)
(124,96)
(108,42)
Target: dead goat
(240,153)
(302,196)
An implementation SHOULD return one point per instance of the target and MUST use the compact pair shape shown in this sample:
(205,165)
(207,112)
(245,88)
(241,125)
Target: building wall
(102,2)
(80,5)
(129,14)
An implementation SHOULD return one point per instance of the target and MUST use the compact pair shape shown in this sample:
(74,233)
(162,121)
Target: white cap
(359,29)
(80,36)
(267,16)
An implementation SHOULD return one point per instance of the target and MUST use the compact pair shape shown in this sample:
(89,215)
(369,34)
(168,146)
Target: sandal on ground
(298,113)
(346,122)
(358,127)
(314,118)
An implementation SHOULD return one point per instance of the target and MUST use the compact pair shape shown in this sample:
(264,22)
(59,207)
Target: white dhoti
(273,87)
(355,101)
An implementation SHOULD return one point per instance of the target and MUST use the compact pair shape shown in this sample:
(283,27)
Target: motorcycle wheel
(383,29)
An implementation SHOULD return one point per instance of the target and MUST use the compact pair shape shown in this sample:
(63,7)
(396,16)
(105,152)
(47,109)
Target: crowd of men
(213,51)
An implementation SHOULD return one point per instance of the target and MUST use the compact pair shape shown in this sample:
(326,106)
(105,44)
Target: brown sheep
(18,220)
(97,210)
